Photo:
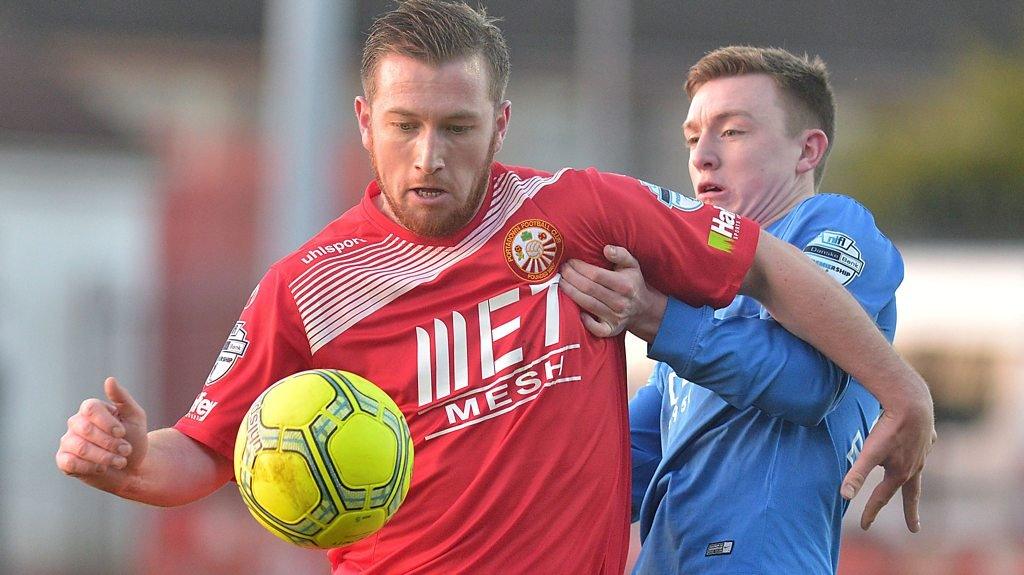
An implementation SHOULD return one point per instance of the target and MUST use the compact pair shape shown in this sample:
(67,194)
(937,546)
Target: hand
(899,442)
(614,300)
(106,441)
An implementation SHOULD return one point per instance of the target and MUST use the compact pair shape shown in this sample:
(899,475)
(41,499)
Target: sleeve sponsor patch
(725,229)
(234,348)
(837,254)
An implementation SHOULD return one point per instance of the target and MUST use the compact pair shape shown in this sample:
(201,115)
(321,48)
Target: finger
(600,301)
(96,435)
(586,302)
(876,447)
(596,326)
(879,497)
(572,275)
(102,415)
(70,464)
(620,257)
(858,473)
(122,400)
(582,268)
(911,498)
(612,281)
(87,451)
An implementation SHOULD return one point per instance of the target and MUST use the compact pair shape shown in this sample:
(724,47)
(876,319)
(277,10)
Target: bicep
(773,260)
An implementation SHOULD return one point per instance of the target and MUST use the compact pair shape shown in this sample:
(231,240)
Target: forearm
(818,310)
(177,470)
(748,361)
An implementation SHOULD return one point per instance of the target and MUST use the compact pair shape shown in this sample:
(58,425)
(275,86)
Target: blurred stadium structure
(143,146)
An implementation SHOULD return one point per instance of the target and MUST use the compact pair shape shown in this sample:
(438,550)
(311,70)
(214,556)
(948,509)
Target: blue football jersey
(741,438)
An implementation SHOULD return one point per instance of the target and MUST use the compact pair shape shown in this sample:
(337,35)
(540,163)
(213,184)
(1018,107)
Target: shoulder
(841,235)
(590,186)
(343,238)
(566,176)
(522,172)
(829,212)
(835,208)
(520,180)
(568,191)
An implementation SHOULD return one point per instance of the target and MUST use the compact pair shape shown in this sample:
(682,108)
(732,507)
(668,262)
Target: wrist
(130,486)
(908,399)
(645,324)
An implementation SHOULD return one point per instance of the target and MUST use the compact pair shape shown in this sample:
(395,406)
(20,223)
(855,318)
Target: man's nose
(703,155)
(429,152)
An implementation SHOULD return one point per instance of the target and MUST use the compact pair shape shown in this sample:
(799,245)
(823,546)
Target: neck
(783,204)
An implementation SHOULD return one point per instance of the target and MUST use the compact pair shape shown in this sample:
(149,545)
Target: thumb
(119,396)
(620,257)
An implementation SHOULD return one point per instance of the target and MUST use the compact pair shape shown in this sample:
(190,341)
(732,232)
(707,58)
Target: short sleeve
(266,344)
(696,252)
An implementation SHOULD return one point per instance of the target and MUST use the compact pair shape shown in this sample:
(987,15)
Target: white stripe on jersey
(336,293)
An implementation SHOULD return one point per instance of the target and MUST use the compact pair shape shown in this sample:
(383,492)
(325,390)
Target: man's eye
(405,126)
(458,129)
(691,141)
(731,132)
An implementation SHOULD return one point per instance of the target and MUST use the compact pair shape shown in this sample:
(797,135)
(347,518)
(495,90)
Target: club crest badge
(234,348)
(533,250)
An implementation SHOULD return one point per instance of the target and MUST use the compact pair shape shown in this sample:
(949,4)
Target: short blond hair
(437,32)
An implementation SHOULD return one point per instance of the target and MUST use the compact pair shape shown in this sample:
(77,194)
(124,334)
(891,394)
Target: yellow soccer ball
(323,458)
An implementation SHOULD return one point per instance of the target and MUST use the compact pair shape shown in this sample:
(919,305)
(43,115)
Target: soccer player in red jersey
(441,287)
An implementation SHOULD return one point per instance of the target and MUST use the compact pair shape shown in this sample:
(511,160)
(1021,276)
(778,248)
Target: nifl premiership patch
(533,249)
(837,254)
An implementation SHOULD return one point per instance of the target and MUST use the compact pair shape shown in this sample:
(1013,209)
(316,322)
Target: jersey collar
(374,213)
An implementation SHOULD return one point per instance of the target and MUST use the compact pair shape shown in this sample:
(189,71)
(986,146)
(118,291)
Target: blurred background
(156,156)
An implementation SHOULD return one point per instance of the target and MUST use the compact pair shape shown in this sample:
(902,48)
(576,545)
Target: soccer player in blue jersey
(743,435)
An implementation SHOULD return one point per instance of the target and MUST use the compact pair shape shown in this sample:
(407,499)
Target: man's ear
(814,144)
(362,108)
(504,115)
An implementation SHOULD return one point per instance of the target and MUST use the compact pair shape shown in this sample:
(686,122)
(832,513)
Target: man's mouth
(428,193)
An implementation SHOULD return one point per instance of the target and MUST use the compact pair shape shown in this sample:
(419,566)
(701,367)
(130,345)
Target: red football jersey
(518,415)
